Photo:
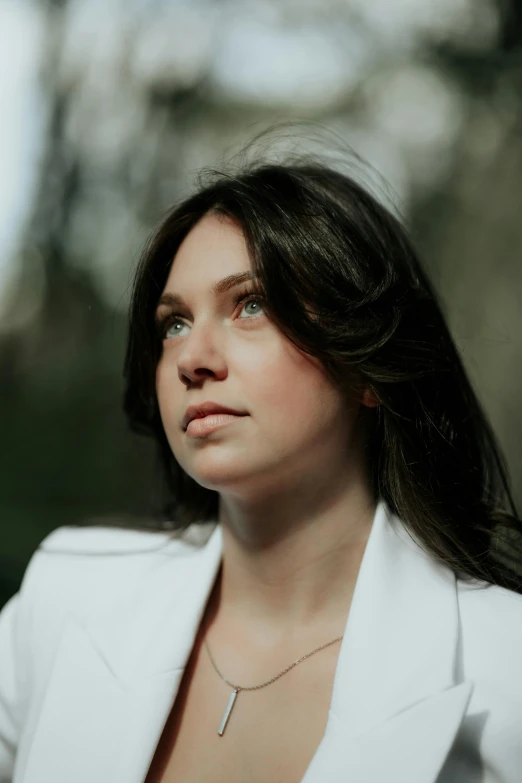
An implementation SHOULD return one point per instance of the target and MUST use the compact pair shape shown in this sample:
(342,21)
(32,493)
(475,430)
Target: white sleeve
(10,691)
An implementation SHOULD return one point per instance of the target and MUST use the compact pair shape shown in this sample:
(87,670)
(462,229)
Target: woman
(335,602)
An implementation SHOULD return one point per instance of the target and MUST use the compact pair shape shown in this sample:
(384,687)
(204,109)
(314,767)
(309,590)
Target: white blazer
(428,685)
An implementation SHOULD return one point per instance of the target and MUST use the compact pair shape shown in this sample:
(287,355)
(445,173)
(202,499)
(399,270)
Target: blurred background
(108,110)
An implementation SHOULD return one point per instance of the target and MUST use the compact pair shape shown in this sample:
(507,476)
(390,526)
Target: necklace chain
(268,682)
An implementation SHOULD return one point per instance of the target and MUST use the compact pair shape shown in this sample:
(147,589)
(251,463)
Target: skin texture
(295,503)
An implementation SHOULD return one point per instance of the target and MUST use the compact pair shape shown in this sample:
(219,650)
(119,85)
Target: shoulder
(96,539)
(491,609)
(83,571)
(80,574)
(74,563)
(73,543)
(490,656)
(87,572)
(72,554)
(491,641)
(118,540)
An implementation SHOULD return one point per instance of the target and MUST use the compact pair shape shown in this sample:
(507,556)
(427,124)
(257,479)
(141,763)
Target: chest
(272,733)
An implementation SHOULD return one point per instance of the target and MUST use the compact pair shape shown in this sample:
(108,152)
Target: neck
(291,578)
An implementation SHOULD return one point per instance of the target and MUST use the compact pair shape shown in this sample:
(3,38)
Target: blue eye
(172,319)
(246,298)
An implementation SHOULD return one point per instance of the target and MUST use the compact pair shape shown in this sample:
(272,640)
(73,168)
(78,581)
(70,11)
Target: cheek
(165,392)
(293,391)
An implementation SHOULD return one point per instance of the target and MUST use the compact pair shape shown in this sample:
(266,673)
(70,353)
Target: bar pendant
(228,710)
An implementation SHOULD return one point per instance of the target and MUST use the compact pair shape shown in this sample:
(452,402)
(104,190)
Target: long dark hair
(341,280)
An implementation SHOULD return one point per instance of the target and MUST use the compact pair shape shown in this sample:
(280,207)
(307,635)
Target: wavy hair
(341,280)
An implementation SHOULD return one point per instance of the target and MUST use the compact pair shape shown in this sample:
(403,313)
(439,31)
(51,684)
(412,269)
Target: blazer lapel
(411,747)
(396,703)
(114,680)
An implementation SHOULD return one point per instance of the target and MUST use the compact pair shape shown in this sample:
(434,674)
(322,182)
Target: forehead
(214,248)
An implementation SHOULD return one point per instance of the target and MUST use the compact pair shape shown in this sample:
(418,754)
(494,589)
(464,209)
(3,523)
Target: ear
(369,399)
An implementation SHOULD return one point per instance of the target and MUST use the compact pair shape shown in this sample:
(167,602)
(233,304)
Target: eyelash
(169,319)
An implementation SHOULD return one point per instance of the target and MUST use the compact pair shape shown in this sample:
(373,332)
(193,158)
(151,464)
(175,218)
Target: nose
(201,355)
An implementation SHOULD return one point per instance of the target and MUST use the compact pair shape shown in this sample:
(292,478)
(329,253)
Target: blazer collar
(402,596)
(396,701)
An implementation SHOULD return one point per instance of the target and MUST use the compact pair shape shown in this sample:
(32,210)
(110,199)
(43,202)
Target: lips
(205,409)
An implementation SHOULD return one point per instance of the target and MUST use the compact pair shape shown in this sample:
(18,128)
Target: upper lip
(204,409)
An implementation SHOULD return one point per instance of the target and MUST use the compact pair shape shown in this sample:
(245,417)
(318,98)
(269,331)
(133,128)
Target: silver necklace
(237,688)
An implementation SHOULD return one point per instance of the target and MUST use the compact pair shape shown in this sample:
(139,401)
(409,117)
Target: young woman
(335,601)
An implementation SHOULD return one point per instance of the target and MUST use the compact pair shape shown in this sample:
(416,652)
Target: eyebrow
(221,287)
